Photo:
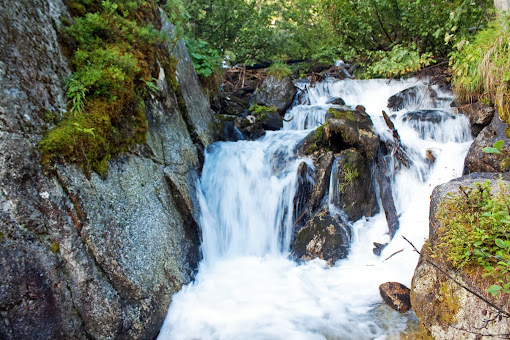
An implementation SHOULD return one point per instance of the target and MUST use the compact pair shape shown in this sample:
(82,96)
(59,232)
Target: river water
(247,286)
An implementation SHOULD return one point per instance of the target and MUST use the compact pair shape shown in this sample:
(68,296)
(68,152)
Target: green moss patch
(112,46)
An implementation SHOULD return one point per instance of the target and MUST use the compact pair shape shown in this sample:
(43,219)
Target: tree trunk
(502,6)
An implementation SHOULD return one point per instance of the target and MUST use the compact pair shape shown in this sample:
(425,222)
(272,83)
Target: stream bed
(248,286)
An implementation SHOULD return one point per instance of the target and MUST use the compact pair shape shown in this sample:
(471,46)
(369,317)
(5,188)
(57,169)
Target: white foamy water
(248,288)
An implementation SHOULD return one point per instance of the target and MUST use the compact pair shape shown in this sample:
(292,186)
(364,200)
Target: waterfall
(247,287)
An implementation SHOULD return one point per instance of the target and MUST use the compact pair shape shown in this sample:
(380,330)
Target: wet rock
(336,101)
(322,176)
(276,92)
(396,295)
(378,248)
(303,192)
(479,161)
(346,129)
(322,237)
(441,297)
(431,155)
(479,114)
(271,121)
(383,174)
(355,192)
(412,97)
(428,116)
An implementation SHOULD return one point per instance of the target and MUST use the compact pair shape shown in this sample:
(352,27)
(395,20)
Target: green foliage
(409,33)
(205,58)
(481,68)
(497,148)
(55,247)
(400,60)
(259,110)
(349,176)
(475,231)
(279,70)
(112,45)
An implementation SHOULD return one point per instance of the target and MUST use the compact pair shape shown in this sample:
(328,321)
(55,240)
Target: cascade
(248,287)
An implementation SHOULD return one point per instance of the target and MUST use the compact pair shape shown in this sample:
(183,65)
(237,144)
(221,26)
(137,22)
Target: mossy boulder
(453,303)
(344,128)
(322,237)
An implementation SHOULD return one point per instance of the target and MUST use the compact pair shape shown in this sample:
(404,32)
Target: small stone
(396,295)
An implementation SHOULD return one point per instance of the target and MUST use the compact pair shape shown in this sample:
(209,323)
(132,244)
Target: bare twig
(412,245)
(395,253)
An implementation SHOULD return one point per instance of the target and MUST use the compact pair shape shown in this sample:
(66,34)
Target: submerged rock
(336,101)
(412,97)
(322,237)
(276,92)
(479,161)
(454,304)
(396,295)
(427,116)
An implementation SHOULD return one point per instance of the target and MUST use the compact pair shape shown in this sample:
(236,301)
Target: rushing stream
(247,286)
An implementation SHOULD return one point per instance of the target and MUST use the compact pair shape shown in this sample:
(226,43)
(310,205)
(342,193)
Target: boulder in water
(347,128)
(322,237)
(396,295)
(479,114)
(412,97)
(479,161)
(305,186)
(276,92)
(336,101)
(427,116)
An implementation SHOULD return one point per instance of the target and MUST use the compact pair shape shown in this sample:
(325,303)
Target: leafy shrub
(481,68)
(205,58)
(279,70)
(400,60)
(497,148)
(475,231)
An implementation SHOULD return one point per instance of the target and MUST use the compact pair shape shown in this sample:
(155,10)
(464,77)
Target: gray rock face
(91,258)
(322,237)
(479,161)
(479,114)
(276,92)
(442,298)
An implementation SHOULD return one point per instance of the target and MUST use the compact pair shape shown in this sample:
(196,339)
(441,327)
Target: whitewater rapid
(247,287)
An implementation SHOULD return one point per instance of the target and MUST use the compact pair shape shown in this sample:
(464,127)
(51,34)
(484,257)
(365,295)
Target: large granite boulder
(454,304)
(479,161)
(91,258)
(276,92)
(322,237)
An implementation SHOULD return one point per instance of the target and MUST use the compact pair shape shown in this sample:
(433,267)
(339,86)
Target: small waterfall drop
(248,288)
